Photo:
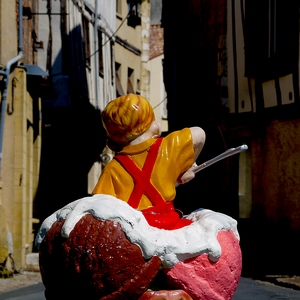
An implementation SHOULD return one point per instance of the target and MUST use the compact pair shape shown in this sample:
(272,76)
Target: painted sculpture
(127,241)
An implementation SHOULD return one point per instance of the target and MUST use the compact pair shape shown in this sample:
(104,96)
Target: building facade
(158,96)
(61,63)
(237,70)
(20,130)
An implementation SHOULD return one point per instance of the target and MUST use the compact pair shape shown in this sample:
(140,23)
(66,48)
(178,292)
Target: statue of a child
(101,248)
(146,168)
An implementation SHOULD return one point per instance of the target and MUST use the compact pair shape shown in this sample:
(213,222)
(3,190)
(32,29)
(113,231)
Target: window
(164,108)
(112,62)
(130,81)
(138,87)
(100,52)
(271,38)
(119,89)
(119,7)
(86,40)
(134,17)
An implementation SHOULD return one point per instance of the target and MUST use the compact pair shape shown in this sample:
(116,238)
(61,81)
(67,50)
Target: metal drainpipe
(96,54)
(7,72)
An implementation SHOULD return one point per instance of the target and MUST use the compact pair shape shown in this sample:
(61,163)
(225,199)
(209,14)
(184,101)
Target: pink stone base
(206,280)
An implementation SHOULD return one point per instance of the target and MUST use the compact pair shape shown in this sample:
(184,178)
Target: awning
(34,70)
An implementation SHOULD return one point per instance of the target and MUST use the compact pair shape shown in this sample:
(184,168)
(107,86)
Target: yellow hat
(127,117)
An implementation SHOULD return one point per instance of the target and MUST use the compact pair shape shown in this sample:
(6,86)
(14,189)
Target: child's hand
(188,175)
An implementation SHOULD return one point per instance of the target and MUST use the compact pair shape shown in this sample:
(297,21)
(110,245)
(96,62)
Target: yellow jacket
(175,156)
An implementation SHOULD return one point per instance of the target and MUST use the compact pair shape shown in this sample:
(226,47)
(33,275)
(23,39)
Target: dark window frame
(86,40)
(100,53)
(271,38)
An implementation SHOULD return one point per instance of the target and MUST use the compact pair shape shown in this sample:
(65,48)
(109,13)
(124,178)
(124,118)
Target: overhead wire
(163,100)
(110,38)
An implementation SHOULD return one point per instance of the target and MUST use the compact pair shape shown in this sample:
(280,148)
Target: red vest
(162,214)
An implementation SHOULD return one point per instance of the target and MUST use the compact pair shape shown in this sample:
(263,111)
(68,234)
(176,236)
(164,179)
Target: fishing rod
(221,156)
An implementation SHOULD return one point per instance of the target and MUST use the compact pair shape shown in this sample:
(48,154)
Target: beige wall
(123,56)
(21,152)
(8,50)
(127,60)
(138,38)
(157,90)
(145,47)
(8,41)
(21,160)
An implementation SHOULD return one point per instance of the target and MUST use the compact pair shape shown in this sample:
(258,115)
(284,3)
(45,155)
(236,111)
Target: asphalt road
(248,289)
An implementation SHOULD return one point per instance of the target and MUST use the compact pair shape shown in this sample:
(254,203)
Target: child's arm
(198,136)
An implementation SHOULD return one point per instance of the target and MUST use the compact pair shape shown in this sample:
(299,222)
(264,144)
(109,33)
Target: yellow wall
(21,158)
(8,50)
(139,38)
(157,90)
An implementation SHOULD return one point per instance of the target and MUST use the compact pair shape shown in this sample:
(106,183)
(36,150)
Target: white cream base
(171,246)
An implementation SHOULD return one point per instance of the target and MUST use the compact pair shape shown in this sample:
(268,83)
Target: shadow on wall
(72,140)
(73,136)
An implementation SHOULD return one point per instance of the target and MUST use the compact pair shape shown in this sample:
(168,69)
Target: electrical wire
(163,100)
(109,39)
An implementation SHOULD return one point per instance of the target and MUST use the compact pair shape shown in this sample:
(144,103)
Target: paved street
(248,289)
